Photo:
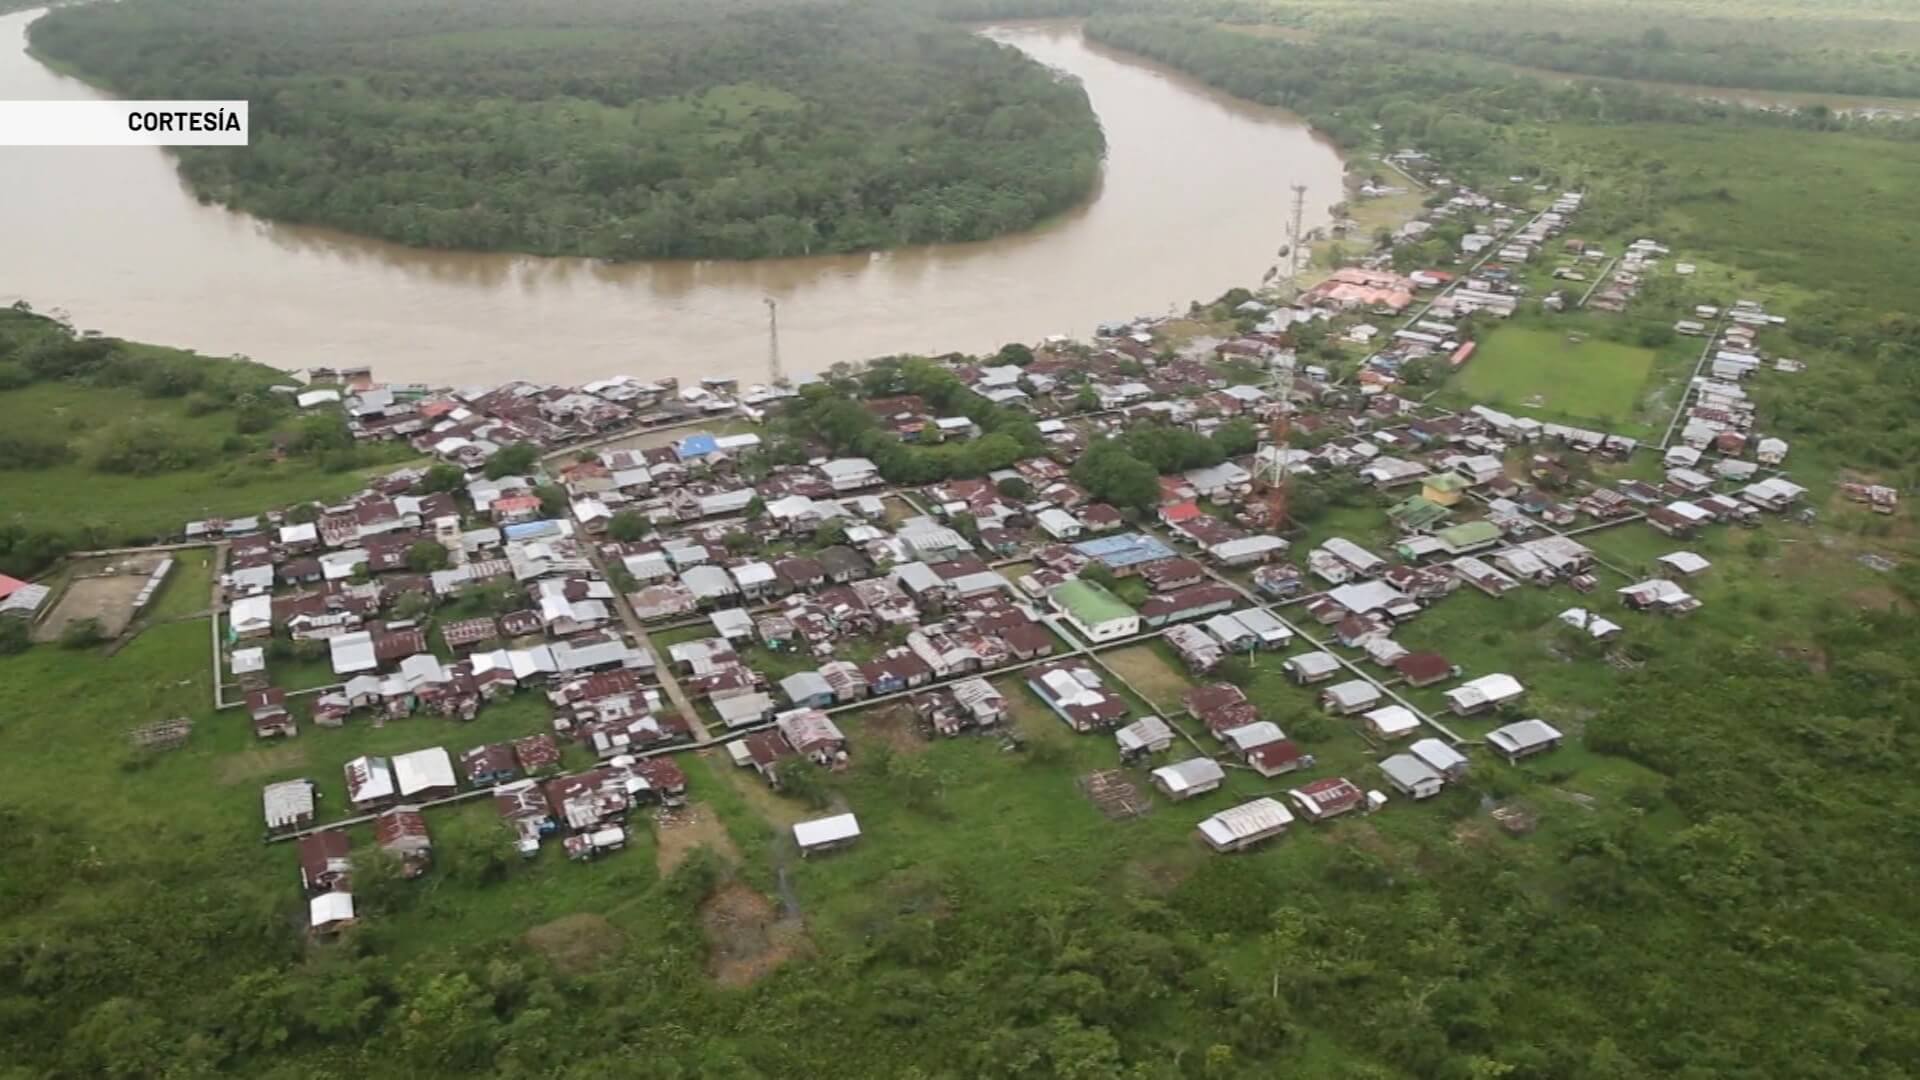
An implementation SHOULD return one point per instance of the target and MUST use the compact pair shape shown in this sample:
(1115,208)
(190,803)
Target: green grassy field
(77,495)
(1594,379)
(188,589)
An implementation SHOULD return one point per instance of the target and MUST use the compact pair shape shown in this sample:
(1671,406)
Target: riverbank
(129,252)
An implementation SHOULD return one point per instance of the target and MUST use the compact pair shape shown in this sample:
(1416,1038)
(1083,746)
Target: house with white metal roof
(1484,693)
(1347,698)
(1186,779)
(1524,739)
(826,834)
(1439,757)
(1391,722)
(1243,826)
(1412,777)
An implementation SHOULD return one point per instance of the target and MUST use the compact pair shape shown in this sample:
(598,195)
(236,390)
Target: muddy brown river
(1193,201)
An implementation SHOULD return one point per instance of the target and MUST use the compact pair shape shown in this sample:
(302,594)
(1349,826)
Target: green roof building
(1416,514)
(1095,612)
(1471,536)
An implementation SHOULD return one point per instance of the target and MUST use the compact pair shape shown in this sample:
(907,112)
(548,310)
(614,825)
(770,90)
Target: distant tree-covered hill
(736,128)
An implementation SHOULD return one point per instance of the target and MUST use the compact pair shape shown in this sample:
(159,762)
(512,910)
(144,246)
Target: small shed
(826,834)
(1148,735)
(329,913)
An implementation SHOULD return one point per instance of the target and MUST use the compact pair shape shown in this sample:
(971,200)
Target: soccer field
(1540,369)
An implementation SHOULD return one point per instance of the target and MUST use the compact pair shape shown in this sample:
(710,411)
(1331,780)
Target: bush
(142,448)
(26,452)
(443,477)
(427,556)
(14,637)
(801,779)
(514,460)
(626,526)
(82,634)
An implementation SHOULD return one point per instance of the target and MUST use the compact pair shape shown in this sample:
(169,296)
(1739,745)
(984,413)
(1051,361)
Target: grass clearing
(1541,370)
(116,505)
(1151,672)
(188,590)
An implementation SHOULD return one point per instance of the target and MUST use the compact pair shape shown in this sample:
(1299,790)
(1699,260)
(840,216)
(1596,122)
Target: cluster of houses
(814,563)
(586,811)
(468,426)
(417,611)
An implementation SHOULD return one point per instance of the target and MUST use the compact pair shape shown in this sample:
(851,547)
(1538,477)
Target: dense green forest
(597,127)
(1832,48)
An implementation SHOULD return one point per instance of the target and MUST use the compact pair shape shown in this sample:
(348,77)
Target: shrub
(82,634)
(14,637)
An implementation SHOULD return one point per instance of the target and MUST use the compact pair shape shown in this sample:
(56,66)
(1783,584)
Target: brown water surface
(1192,202)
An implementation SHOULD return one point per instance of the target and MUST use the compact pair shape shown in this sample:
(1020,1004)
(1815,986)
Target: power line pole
(774,374)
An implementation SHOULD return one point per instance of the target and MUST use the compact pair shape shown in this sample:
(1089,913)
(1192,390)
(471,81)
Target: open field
(1524,369)
(117,505)
(189,589)
(1150,669)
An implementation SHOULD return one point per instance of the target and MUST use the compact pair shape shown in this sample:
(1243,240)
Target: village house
(424,775)
(1391,722)
(1524,739)
(1145,736)
(1441,758)
(536,753)
(1327,798)
(330,913)
(1483,694)
(1097,614)
(1659,595)
(1222,707)
(1240,827)
(1347,698)
(325,861)
(813,735)
(1196,648)
(268,709)
(369,782)
(765,752)
(489,765)
(287,806)
(1412,777)
(402,833)
(1194,602)
(1309,668)
(1076,694)
(1189,778)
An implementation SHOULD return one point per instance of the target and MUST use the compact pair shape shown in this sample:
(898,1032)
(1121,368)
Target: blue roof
(694,446)
(531,530)
(1127,549)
